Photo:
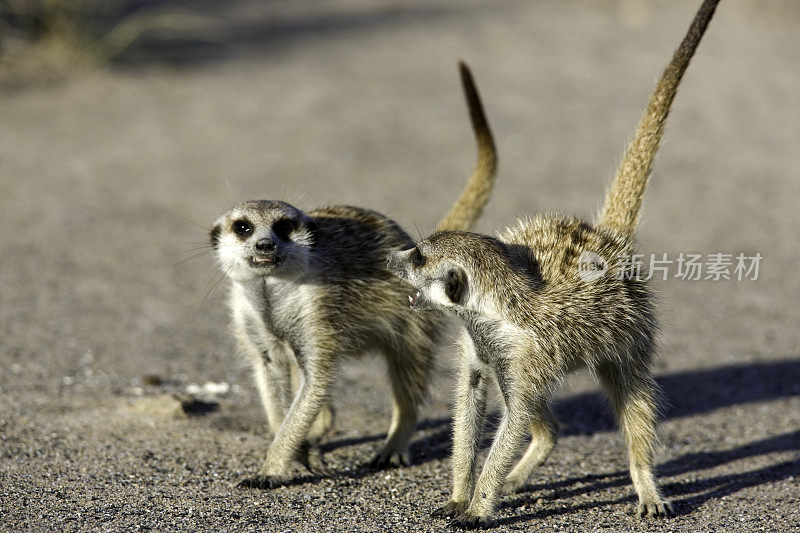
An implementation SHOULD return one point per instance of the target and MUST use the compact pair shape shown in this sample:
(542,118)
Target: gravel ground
(108,313)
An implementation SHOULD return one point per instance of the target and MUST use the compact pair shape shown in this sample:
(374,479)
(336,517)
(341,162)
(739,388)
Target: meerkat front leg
(544,431)
(273,384)
(310,454)
(312,397)
(467,432)
(633,391)
(508,442)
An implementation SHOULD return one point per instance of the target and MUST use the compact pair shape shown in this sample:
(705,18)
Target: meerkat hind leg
(633,395)
(310,454)
(409,382)
(544,431)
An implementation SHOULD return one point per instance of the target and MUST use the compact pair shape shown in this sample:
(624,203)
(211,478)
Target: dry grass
(47,41)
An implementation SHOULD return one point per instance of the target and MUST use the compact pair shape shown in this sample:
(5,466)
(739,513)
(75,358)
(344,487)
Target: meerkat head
(263,238)
(448,270)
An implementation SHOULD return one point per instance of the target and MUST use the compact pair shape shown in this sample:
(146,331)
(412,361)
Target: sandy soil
(109,181)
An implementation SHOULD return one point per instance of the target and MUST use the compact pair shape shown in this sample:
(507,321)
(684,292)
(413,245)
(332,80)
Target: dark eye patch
(417,259)
(242,227)
(283,228)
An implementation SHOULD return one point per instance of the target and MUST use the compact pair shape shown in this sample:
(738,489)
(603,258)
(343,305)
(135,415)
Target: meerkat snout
(395,263)
(264,248)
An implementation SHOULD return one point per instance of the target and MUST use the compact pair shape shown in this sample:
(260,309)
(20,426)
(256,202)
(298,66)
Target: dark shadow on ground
(690,393)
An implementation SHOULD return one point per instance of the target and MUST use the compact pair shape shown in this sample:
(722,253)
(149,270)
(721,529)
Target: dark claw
(260,481)
(450,509)
(311,458)
(655,510)
(383,461)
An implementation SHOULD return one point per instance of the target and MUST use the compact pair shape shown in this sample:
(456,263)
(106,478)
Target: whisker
(206,247)
(190,258)
(419,232)
(218,278)
(193,223)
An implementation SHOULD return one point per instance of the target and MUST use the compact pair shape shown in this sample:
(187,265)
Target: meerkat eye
(242,227)
(417,259)
(455,285)
(283,227)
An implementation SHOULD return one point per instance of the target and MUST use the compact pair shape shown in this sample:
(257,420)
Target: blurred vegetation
(48,40)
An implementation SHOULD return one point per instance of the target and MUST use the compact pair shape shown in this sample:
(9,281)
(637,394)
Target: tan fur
(624,198)
(547,296)
(469,206)
(309,288)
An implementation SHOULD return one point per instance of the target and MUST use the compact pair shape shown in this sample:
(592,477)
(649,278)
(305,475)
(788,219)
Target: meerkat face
(263,238)
(440,271)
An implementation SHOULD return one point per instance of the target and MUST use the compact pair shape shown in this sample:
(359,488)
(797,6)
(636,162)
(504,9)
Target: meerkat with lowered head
(548,296)
(309,288)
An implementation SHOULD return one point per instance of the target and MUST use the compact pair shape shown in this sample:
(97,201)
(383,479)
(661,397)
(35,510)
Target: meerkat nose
(265,246)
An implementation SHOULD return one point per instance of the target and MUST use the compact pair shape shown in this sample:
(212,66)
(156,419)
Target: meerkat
(310,288)
(547,296)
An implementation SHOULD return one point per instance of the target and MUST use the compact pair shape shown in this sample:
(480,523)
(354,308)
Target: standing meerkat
(548,296)
(310,288)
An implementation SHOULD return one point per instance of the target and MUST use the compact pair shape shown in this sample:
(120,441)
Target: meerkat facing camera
(310,288)
(548,296)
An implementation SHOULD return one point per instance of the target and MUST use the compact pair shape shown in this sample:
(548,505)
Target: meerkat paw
(654,509)
(451,509)
(315,464)
(261,481)
(512,485)
(311,458)
(390,459)
(467,520)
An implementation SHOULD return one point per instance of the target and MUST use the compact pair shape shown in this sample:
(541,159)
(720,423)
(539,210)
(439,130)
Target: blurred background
(127,127)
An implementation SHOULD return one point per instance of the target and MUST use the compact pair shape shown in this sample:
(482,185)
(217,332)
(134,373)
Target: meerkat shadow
(431,442)
(691,392)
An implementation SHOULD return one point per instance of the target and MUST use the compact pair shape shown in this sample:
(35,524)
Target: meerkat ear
(456,285)
(214,234)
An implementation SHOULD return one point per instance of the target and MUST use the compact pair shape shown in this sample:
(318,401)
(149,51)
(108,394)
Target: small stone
(153,380)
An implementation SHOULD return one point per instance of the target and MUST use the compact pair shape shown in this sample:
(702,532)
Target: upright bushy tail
(469,206)
(624,198)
